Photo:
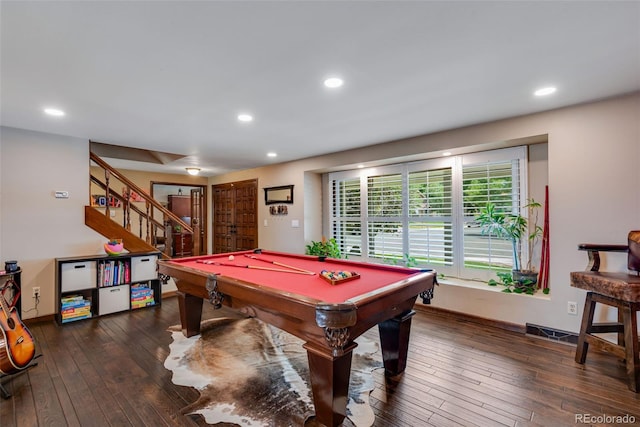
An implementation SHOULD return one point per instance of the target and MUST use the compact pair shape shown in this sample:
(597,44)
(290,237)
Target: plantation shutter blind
(430,216)
(346,215)
(497,183)
(385,216)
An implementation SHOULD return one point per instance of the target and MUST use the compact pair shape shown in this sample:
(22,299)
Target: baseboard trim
(537,331)
(169,294)
(34,320)
(513,327)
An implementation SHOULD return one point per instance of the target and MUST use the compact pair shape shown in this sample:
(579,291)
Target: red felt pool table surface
(254,268)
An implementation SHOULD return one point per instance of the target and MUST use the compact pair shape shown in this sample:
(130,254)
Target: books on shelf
(113,273)
(81,312)
(70,299)
(74,307)
(146,302)
(72,319)
(141,296)
(74,301)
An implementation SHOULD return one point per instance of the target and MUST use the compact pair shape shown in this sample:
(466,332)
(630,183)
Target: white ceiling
(171,76)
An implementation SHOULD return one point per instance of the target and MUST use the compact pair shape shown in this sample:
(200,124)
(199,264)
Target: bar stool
(620,290)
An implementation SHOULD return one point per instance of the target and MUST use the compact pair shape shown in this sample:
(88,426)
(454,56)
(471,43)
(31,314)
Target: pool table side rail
(411,285)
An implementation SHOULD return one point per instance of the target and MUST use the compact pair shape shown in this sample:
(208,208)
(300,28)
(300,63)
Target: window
(385,214)
(426,210)
(346,217)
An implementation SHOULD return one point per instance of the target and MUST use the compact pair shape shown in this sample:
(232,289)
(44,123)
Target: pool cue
(279,263)
(226,264)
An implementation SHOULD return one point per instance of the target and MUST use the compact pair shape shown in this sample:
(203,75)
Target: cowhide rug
(252,374)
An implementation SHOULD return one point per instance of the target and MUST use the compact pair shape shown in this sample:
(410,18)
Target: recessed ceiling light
(446,153)
(54,112)
(193,171)
(545,91)
(333,82)
(360,166)
(272,154)
(245,117)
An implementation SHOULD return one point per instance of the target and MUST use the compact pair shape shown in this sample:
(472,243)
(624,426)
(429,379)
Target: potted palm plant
(515,228)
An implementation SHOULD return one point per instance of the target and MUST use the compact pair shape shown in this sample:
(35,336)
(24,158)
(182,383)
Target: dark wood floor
(109,372)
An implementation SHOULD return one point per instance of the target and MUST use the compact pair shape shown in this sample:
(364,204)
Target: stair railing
(146,220)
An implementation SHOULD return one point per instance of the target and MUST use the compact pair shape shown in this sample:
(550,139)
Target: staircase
(110,214)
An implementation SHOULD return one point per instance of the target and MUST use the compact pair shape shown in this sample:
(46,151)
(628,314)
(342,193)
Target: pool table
(289,292)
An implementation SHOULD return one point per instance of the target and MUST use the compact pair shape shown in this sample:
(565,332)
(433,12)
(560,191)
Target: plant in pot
(515,228)
(324,248)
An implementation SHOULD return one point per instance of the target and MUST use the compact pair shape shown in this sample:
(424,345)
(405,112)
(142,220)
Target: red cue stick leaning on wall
(543,279)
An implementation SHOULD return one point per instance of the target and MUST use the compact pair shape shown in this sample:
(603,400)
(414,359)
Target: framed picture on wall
(277,195)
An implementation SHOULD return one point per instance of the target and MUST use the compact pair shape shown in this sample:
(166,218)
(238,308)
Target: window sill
(475,284)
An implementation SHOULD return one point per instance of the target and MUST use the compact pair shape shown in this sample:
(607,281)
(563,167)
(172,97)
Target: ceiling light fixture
(193,171)
(446,153)
(272,154)
(333,82)
(245,117)
(545,91)
(54,112)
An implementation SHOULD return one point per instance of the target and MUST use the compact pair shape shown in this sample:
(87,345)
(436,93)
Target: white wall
(594,191)
(36,227)
(277,233)
(594,182)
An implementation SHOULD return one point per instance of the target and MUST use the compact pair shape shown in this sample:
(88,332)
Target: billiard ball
(231,257)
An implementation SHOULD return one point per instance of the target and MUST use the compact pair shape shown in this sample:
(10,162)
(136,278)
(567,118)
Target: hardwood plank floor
(109,372)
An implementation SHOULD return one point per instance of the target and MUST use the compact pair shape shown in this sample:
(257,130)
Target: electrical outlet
(572,307)
(36,291)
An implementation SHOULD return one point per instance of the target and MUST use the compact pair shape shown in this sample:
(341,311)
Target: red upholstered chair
(620,290)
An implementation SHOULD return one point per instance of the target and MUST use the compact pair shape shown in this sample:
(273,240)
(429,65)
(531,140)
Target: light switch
(266,223)
(295,223)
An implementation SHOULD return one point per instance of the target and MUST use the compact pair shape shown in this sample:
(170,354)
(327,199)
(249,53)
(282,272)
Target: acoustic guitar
(17,347)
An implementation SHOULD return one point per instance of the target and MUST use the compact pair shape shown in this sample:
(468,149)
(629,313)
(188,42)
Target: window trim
(457,165)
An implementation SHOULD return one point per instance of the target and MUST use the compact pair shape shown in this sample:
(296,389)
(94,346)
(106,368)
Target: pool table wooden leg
(394,338)
(330,383)
(190,313)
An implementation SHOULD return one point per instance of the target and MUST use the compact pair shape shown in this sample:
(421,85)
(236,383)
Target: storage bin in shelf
(112,299)
(144,268)
(78,275)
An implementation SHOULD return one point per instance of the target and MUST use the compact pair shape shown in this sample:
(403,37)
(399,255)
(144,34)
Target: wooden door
(235,216)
